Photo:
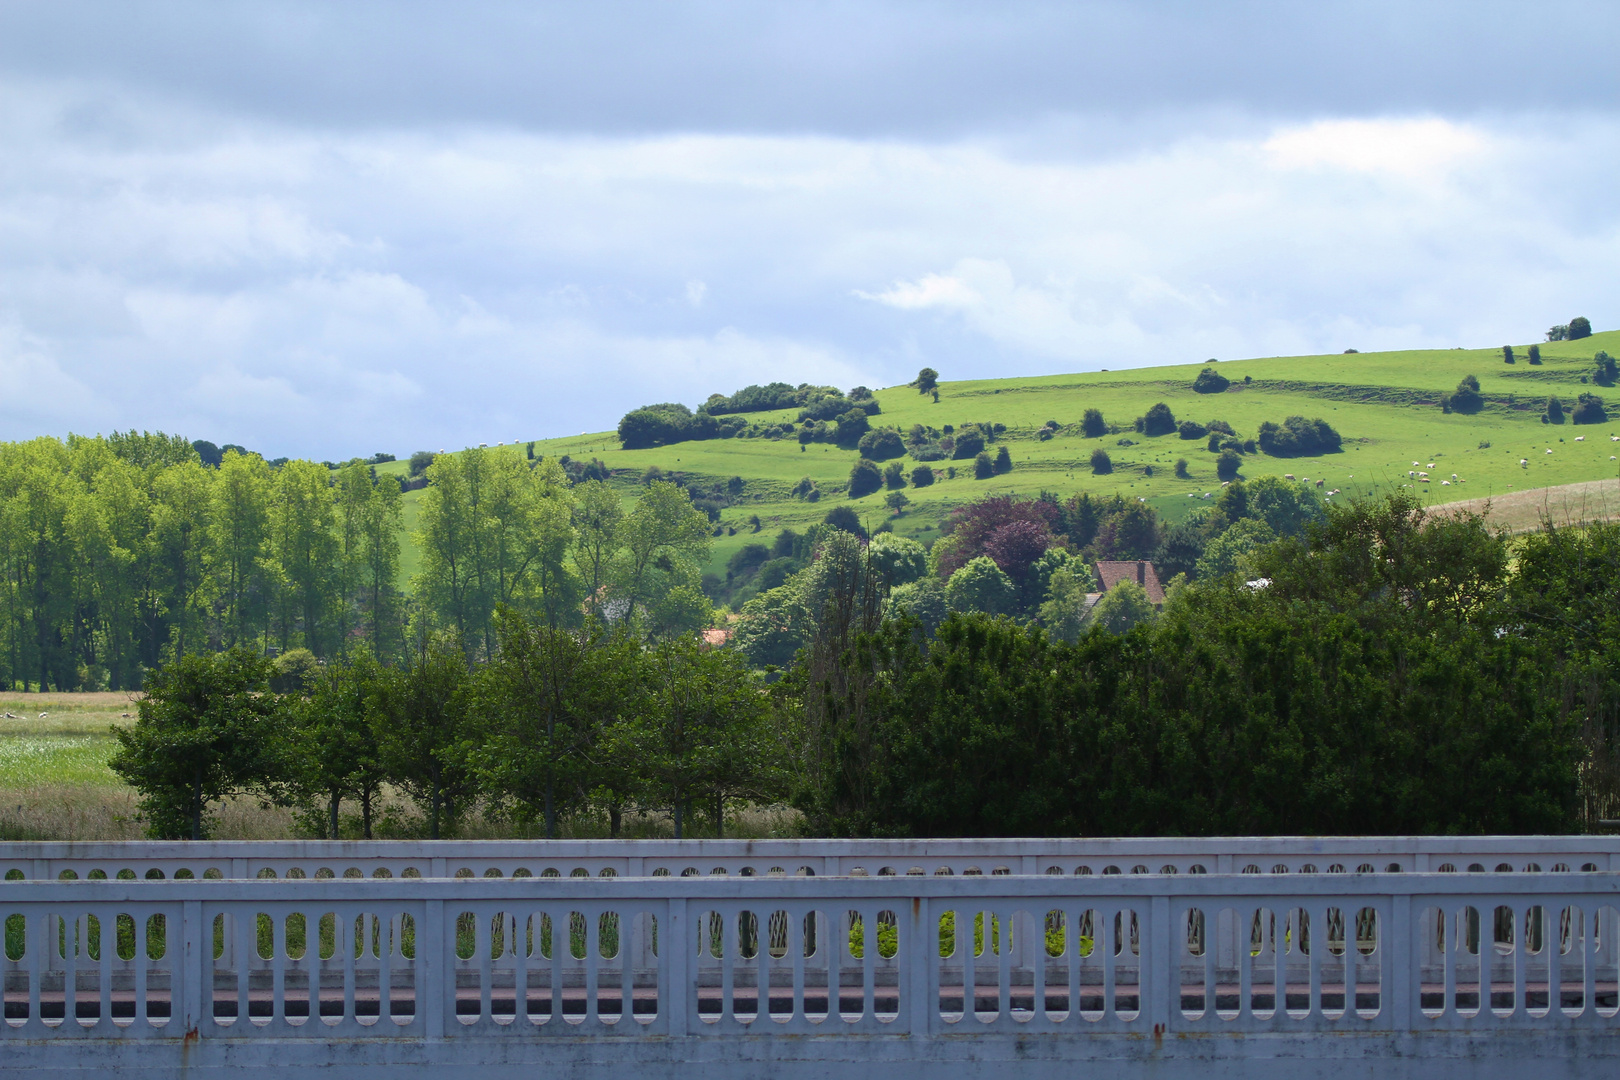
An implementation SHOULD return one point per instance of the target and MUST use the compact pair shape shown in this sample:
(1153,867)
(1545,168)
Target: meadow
(1385,405)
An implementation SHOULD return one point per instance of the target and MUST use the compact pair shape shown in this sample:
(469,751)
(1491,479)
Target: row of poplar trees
(120,552)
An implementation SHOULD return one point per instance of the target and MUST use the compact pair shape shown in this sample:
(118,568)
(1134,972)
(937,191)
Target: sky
(326,230)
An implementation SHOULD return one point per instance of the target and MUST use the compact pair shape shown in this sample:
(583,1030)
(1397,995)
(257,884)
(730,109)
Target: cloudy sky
(329,229)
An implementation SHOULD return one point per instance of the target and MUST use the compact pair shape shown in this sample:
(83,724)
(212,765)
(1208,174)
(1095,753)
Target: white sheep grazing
(1431,464)
(1524,461)
(1580,438)
(1415,464)
(1549,449)
(1423,479)
(1410,475)
(1319,483)
(1445,483)
(1288,476)
(1454,476)
(43,715)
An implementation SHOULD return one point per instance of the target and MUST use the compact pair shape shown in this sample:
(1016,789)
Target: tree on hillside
(1298,437)
(1555,411)
(1210,381)
(1535,354)
(922,476)
(1589,410)
(1227,465)
(983,467)
(205,731)
(1158,420)
(1579,327)
(1605,370)
(1466,398)
(1101,463)
(927,381)
(864,479)
(1092,424)
(423,734)
(1507,354)
(1003,461)
(845,518)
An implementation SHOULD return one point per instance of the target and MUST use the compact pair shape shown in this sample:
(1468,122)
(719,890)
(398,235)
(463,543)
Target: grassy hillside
(1385,405)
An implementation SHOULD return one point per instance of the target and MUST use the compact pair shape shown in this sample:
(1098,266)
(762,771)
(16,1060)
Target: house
(714,639)
(1141,571)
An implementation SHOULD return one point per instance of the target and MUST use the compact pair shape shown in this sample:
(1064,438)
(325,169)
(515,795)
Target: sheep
(1423,479)
(1549,449)
(1319,483)
(9,716)
(43,715)
(1288,476)
(1445,483)
(1415,464)
(1580,438)
(1410,475)
(1431,464)
(1454,476)
(1524,461)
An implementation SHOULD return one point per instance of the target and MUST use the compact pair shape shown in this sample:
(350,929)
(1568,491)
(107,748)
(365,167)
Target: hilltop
(1386,406)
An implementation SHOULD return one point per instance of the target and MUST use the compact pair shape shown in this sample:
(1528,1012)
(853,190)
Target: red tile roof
(1141,572)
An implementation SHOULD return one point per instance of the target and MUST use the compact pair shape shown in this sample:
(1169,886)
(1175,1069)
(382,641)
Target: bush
(1214,443)
(926,382)
(1507,354)
(1191,429)
(1092,425)
(655,425)
(1589,410)
(1101,463)
(1181,469)
(897,560)
(419,462)
(969,444)
(1466,398)
(1579,327)
(806,489)
(295,672)
(864,479)
(1210,381)
(881,444)
(1605,372)
(1158,420)
(983,467)
(894,477)
(852,427)
(1555,411)
(922,476)
(1535,354)
(1003,461)
(842,517)
(896,501)
(1298,437)
(1228,464)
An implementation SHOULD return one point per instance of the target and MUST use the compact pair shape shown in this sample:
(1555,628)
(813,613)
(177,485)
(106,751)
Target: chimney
(1141,573)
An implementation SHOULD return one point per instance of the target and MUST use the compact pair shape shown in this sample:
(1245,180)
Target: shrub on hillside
(1535,354)
(1228,464)
(922,476)
(1589,410)
(853,425)
(1101,463)
(1158,420)
(420,461)
(864,479)
(1298,437)
(969,443)
(1465,399)
(1507,354)
(1003,461)
(1092,424)
(882,444)
(894,477)
(1210,381)
(842,517)
(1554,413)
(1191,429)
(1181,469)
(1605,371)
(983,467)
(1579,327)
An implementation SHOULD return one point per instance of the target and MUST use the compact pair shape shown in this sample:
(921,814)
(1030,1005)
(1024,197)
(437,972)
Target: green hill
(1386,406)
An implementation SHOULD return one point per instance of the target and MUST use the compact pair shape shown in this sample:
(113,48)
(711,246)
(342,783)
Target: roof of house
(1139,571)
(713,639)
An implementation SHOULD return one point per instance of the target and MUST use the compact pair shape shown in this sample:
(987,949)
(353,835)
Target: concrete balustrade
(965,956)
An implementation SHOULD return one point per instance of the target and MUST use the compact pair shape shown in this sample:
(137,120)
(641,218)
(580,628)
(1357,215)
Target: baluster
(107,931)
(593,964)
(1037,980)
(142,1021)
(796,942)
(1003,926)
(1106,938)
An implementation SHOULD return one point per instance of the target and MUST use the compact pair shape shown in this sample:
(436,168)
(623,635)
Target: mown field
(1385,405)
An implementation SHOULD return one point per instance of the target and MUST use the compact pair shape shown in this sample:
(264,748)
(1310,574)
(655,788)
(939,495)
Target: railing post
(194,968)
(679,990)
(1159,964)
(432,961)
(1403,967)
(919,969)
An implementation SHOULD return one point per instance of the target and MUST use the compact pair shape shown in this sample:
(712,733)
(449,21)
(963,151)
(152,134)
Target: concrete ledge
(1505,1054)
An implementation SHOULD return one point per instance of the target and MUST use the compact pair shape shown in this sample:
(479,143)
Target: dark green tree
(927,381)
(864,479)
(206,731)
(1101,463)
(1092,424)
(424,733)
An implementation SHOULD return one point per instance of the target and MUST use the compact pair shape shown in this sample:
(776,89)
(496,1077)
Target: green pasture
(1385,405)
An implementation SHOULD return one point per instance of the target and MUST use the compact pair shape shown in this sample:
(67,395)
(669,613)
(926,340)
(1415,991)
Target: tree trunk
(680,807)
(615,814)
(365,812)
(433,818)
(334,801)
(196,807)
(719,817)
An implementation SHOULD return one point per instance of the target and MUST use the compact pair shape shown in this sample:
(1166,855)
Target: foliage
(845,518)
(1466,398)
(1579,327)
(1003,461)
(1092,424)
(1158,420)
(1554,412)
(897,560)
(335,741)
(983,467)
(881,444)
(926,382)
(205,732)
(1298,437)
(424,726)
(981,585)
(922,476)
(1605,369)
(1101,463)
(1122,607)
(1210,381)
(1589,410)
(864,478)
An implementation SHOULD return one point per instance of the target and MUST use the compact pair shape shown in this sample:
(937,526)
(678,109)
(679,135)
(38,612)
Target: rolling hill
(1386,406)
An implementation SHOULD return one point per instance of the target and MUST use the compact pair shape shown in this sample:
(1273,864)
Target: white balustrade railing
(636,858)
(920,955)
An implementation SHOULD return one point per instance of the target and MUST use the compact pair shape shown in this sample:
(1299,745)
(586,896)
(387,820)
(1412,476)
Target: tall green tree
(423,736)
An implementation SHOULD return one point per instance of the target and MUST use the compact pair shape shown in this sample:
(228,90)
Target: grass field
(1385,405)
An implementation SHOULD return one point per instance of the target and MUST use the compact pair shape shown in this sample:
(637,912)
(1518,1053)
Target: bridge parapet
(1216,972)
